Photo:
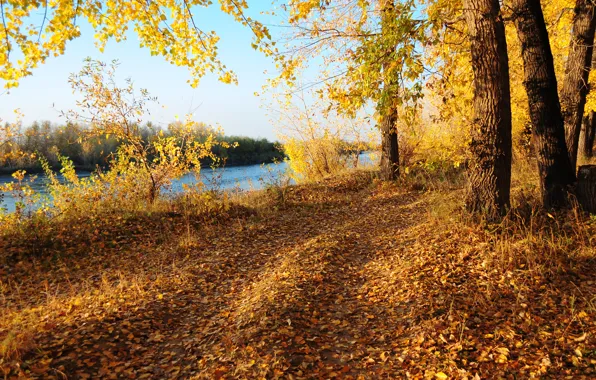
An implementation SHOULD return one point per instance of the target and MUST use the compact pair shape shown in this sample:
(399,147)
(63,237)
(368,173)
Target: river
(250,177)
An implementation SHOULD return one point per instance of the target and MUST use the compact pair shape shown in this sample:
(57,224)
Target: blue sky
(235,108)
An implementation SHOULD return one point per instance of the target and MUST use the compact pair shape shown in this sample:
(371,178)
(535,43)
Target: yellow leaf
(582,314)
(581,338)
(578,352)
(441,375)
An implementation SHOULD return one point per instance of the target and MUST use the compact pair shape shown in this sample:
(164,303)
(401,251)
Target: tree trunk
(587,120)
(389,148)
(389,142)
(490,166)
(548,133)
(587,134)
(577,70)
(591,134)
(586,188)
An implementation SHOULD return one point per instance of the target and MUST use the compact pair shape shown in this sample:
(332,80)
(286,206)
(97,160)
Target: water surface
(250,177)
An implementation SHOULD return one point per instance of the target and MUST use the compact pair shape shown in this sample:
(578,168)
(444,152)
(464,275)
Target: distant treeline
(88,152)
(249,151)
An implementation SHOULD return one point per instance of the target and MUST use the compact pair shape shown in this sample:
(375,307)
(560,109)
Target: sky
(235,108)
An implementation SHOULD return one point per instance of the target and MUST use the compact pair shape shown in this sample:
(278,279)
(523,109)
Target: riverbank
(228,178)
(346,278)
(241,178)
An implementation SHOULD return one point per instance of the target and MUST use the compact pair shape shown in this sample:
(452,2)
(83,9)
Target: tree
(369,59)
(144,163)
(388,114)
(314,140)
(165,27)
(490,169)
(548,134)
(577,71)
(9,134)
(33,30)
(451,79)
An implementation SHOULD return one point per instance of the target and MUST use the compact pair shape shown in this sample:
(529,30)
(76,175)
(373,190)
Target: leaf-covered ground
(347,280)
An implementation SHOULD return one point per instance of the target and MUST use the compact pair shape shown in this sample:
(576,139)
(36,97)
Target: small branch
(316,83)
(244,17)
(43,22)
(74,21)
(563,11)
(192,20)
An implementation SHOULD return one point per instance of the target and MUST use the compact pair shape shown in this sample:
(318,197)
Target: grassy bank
(345,278)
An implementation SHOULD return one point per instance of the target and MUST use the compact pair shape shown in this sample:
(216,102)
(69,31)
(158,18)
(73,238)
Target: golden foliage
(140,170)
(165,27)
(450,90)
(317,141)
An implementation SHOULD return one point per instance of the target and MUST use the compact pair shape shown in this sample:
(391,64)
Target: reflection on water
(251,177)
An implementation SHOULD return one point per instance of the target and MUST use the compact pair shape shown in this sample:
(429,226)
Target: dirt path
(349,281)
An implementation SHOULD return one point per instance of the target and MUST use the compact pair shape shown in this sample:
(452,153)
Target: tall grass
(528,237)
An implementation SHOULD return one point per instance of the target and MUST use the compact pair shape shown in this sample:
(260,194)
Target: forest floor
(347,278)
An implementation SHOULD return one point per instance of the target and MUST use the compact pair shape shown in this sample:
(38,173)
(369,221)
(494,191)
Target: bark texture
(586,187)
(490,166)
(588,132)
(389,148)
(389,140)
(577,70)
(548,133)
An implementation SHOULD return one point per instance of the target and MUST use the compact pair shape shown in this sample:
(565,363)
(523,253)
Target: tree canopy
(34,30)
